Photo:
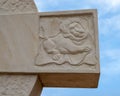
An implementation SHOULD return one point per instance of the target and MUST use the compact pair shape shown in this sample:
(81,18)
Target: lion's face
(77,31)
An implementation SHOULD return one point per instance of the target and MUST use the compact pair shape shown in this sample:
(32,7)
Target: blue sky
(109,41)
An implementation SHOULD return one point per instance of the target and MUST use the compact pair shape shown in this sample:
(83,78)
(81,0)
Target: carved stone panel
(62,47)
(59,42)
(67,40)
(68,53)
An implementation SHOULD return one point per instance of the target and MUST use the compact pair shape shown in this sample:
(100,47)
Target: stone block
(62,47)
(68,49)
(18,41)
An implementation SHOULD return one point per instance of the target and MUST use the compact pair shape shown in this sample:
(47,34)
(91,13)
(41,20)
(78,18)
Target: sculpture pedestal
(20,85)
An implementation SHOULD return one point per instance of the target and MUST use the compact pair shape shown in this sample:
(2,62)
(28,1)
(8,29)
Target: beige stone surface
(68,40)
(17,6)
(18,38)
(62,47)
(13,29)
(20,85)
(68,49)
(44,42)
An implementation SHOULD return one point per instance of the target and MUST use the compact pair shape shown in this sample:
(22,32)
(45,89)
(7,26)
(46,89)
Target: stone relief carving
(66,41)
(17,5)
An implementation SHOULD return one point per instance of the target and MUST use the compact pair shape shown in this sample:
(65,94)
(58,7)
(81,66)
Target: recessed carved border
(69,37)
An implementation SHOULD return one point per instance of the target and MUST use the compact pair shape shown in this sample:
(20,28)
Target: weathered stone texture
(16,85)
(53,45)
(19,85)
(17,6)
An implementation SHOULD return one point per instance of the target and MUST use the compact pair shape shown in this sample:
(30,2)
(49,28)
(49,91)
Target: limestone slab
(20,85)
(52,44)
(18,38)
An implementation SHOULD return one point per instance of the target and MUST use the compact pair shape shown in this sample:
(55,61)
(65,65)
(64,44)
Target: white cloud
(113,54)
(112,3)
(112,68)
(107,5)
(104,6)
(40,5)
(110,25)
